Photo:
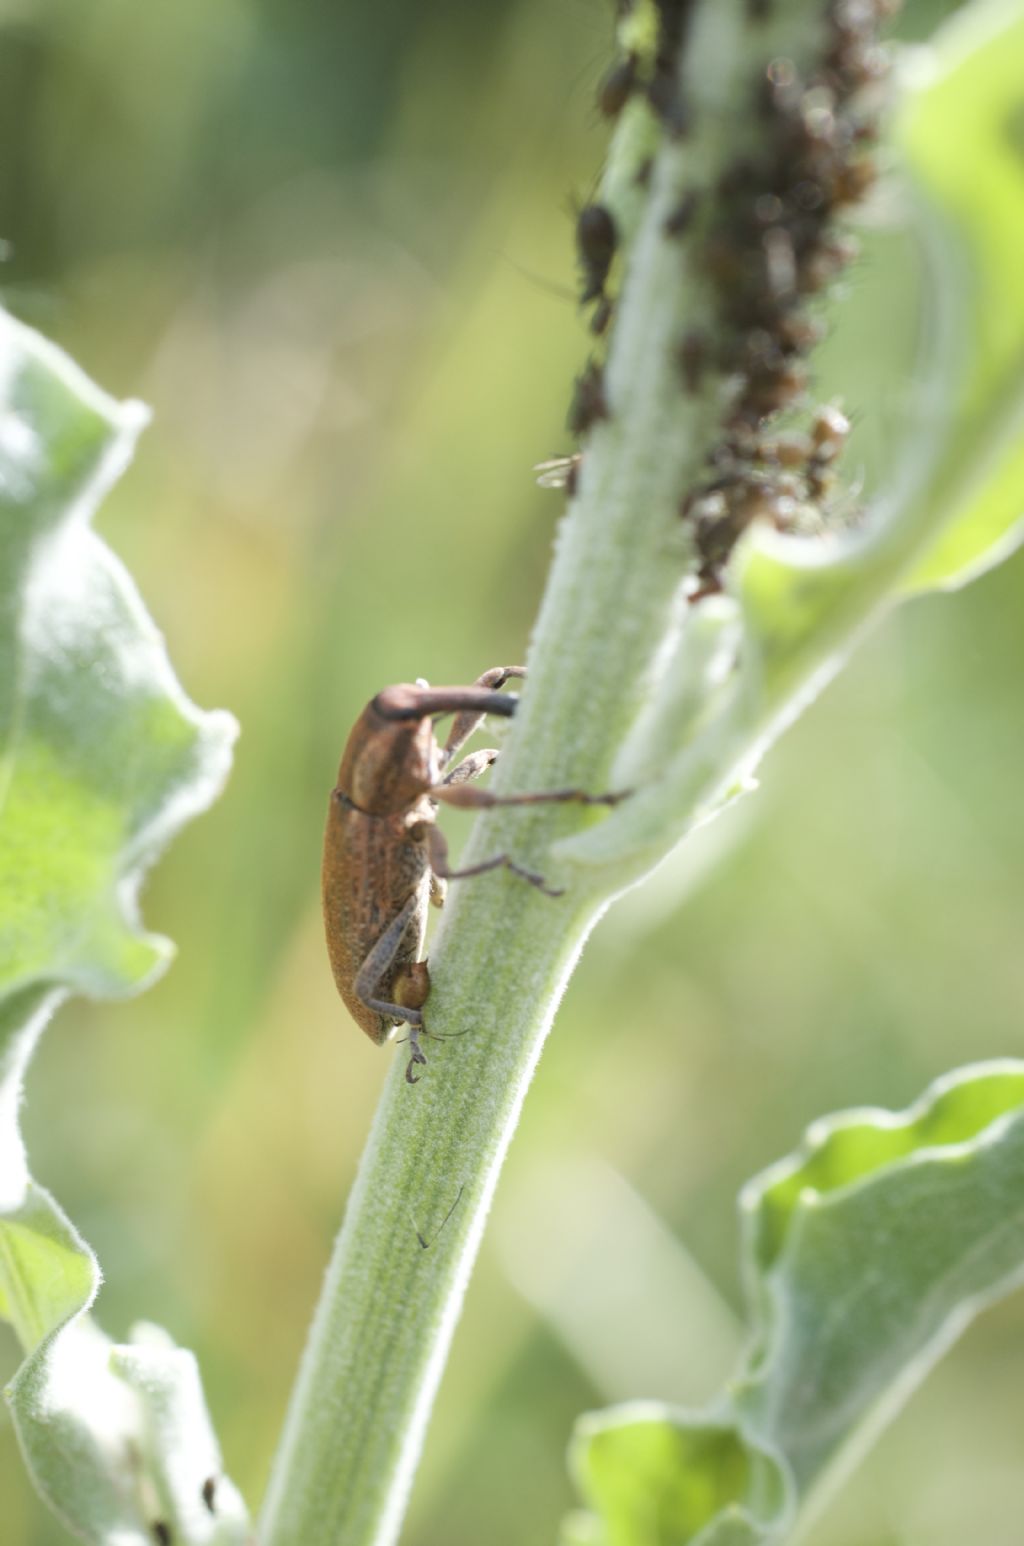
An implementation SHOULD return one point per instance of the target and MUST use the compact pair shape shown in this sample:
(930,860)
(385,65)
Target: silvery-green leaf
(657,1476)
(963,140)
(866,1253)
(102,759)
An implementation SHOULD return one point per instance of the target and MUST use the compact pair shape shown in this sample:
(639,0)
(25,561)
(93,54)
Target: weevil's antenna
(426,1244)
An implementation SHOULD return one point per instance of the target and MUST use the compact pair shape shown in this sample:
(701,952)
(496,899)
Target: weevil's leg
(377,963)
(470,767)
(465,723)
(416,1056)
(437,848)
(477,799)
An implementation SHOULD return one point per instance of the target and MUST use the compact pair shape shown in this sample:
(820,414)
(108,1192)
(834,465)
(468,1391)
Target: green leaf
(102,759)
(870,1250)
(661,1477)
(963,136)
(866,1253)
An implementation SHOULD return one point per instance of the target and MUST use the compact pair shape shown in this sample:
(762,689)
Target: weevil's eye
(417,832)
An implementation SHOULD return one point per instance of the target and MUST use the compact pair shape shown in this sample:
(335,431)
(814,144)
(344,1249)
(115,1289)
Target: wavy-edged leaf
(865,1253)
(870,1250)
(102,758)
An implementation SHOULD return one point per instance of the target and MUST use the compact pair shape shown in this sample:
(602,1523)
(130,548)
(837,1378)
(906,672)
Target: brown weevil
(385,857)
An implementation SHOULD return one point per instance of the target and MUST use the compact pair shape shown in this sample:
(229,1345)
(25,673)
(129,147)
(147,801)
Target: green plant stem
(390,1303)
(602,646)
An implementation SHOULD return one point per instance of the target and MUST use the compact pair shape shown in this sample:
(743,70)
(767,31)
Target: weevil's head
(391,755)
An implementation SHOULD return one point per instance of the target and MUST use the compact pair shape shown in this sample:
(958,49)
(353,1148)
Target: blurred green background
(330,244)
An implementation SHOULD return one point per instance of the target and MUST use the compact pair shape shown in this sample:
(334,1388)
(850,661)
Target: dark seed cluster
(765,238)
(784,479)
(769,247)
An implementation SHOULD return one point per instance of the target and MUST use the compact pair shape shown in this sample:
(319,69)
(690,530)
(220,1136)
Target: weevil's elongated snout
(409,702)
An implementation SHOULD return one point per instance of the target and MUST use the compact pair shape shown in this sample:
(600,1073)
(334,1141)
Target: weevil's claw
(533,878)
(417,1057)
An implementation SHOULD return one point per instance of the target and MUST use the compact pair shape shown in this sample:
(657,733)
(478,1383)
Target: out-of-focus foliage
(319,243)
(964,139)
(103,759)
(865,1254)
(870,1250)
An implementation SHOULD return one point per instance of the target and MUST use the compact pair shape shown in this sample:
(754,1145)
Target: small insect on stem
(385,859)
(680,217)
(589,404)
(596,240)
(617,86)
(693,354)
(559,472)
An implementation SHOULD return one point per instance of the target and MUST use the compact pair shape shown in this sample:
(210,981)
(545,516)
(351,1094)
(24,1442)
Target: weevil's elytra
(385,859)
